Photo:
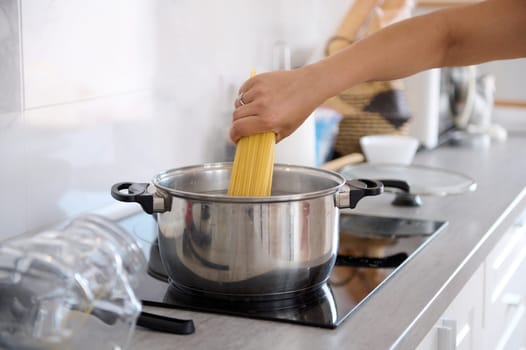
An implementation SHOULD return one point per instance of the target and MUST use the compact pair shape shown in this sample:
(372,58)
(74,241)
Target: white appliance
(423,96)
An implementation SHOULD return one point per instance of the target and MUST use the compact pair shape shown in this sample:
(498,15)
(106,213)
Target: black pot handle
(165,324)
(399,184)
(362,188)
(138,192)
(404,197)
(365,261)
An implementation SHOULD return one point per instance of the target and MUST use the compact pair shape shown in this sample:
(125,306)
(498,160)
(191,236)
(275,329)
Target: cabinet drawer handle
(447,335)
(512,299)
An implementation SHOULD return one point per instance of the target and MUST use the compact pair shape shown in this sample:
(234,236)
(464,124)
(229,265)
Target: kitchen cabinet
(460,326)
(490,310)
(505,290)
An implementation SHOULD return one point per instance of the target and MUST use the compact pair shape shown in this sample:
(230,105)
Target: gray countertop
(400,313)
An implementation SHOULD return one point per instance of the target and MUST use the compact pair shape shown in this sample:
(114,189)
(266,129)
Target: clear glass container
(70,288)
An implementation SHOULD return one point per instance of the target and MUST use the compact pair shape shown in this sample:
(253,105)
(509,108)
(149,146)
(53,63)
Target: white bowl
(393,149)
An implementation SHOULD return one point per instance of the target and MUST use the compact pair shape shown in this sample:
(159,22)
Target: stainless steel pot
(247,246)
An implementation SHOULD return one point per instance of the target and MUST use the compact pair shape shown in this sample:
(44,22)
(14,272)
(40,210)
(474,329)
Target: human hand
(278,101)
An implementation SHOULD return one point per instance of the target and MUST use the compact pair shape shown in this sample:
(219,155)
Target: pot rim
(338,179)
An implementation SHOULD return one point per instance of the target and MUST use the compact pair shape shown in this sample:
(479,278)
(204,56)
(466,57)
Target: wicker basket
(369,108)
(372,107)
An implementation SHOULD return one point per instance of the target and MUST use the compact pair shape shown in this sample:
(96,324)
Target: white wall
(96,92)
(510,76)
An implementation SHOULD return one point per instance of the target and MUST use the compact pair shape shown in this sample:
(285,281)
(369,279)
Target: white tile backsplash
(98,92)
(62,160)
(78,49)
(10,73)
(13,170)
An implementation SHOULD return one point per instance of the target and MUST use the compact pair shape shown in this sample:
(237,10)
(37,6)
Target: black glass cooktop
(381,243)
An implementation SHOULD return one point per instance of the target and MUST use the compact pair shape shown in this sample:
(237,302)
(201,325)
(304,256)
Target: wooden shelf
(510,103)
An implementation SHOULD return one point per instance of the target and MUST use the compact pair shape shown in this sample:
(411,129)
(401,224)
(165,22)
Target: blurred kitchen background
(97,92)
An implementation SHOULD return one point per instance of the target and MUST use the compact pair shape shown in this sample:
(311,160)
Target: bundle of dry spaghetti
(253,165)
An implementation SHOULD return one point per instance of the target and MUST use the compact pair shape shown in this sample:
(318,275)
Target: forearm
(397,51)
(454,37)
(280,101)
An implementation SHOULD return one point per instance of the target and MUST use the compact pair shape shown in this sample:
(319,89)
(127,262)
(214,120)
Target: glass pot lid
(423,180)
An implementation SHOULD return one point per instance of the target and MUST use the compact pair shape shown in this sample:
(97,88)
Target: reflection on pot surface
(249,248)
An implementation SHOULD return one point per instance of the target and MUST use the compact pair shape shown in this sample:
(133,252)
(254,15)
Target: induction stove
(385,244)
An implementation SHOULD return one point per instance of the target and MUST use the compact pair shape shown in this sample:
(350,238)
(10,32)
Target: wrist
(319,80)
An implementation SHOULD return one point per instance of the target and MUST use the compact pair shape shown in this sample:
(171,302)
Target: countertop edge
(429,315)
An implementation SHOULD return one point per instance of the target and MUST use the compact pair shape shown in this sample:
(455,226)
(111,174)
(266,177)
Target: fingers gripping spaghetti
(253,165)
